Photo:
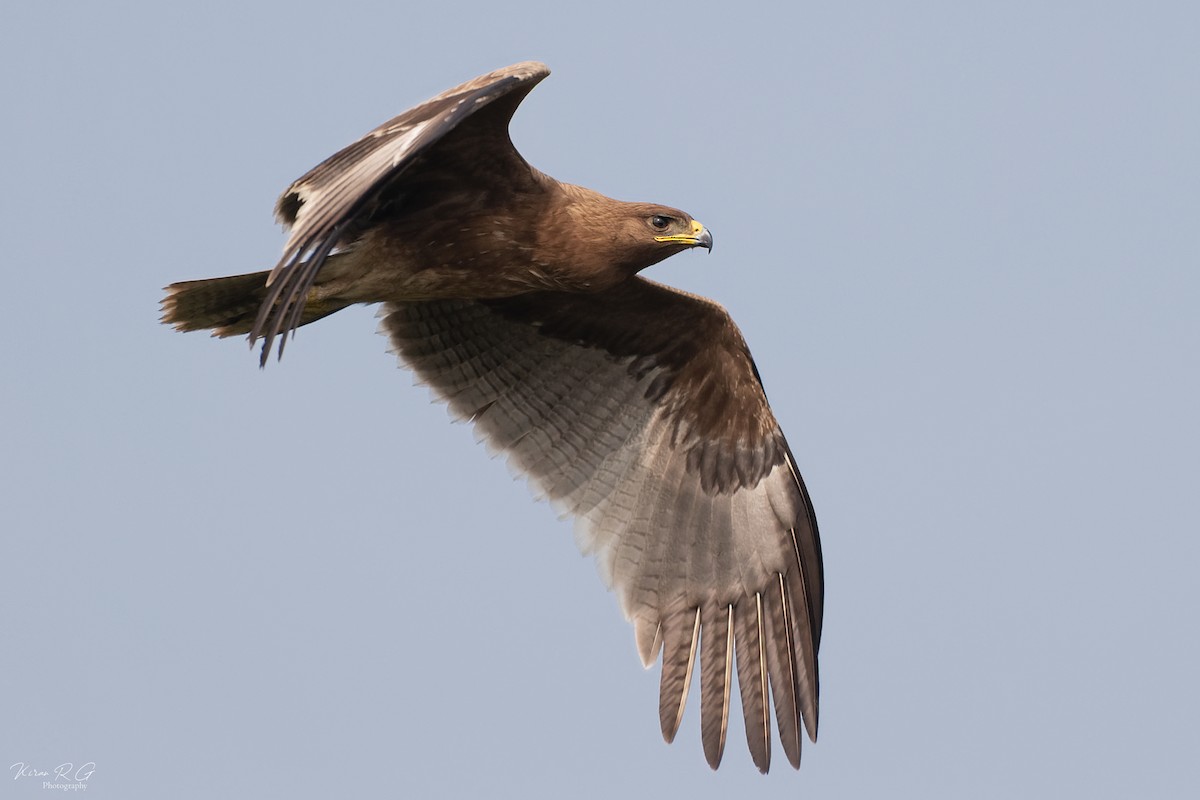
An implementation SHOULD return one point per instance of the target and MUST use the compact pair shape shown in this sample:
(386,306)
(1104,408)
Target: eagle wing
(639,411)
(326,206)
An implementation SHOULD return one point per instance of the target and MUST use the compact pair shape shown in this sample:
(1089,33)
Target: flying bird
(632,406)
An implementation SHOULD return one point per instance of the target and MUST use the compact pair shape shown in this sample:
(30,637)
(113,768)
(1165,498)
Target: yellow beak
(698,237)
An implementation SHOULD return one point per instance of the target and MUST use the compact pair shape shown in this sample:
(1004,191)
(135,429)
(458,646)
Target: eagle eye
(659,222)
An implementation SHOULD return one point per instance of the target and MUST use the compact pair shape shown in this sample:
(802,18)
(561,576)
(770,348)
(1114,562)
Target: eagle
(633,407)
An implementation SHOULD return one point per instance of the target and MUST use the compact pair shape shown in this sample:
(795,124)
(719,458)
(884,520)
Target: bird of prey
(632,406)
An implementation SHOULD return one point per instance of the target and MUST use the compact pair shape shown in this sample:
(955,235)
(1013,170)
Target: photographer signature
(63,772)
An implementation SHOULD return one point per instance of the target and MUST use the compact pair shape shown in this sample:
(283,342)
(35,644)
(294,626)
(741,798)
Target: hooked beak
(697,237)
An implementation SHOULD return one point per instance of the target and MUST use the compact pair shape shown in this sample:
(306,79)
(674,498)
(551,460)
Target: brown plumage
(634,407)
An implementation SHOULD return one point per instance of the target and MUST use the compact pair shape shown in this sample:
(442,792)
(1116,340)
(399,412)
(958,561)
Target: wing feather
(752,679)
(328,203)
(680,639)
(801,632)
(716,678)
(782,669)
(698,519)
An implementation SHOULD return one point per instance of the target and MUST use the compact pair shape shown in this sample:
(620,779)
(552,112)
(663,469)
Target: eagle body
(634,407)
(486,246)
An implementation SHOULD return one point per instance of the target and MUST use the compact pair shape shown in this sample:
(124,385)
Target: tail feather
(228,306)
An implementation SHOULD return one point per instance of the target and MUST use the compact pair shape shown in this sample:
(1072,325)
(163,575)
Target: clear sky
(962,240)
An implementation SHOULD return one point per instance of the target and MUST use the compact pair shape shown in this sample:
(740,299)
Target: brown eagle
(630,405)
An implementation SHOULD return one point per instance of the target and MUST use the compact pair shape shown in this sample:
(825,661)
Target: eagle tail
(228,306)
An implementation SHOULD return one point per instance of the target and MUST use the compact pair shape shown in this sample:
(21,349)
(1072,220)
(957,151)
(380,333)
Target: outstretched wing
(323,208)
(639,411)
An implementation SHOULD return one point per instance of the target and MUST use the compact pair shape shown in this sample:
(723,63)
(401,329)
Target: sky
(961,240)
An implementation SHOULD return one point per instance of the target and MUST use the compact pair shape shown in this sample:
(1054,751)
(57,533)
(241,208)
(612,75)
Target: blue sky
(961,240)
